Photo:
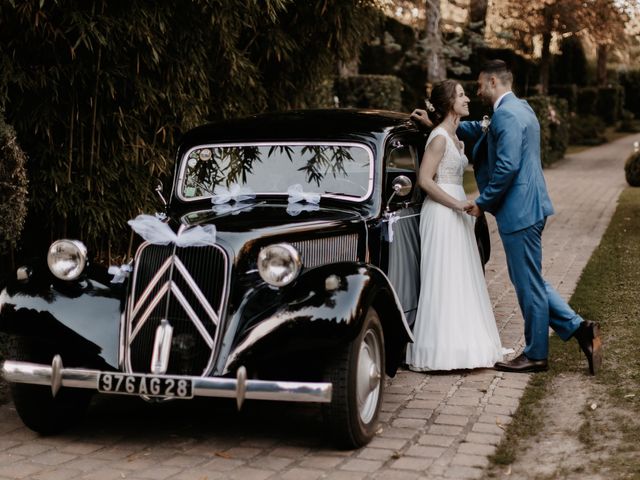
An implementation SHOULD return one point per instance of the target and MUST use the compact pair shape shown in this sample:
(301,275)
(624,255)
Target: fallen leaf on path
(508,470)
(631,395)
(223,455)
(499,424)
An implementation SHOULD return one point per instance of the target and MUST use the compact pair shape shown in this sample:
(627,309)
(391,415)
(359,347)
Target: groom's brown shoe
(522,364)
(588,336)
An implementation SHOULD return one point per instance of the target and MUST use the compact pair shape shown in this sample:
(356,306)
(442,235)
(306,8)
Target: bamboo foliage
(100,90)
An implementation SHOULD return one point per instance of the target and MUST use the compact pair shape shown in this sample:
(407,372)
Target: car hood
(253,221)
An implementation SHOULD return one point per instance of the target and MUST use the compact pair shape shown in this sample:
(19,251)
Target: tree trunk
(545,58)
(602,53)
(436,68)
(478,13)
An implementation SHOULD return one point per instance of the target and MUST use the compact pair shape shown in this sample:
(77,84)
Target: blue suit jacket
(507,165)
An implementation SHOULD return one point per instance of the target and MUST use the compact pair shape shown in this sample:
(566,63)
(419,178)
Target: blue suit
(508,170)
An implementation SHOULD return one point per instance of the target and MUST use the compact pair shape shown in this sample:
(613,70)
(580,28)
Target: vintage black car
(284,267)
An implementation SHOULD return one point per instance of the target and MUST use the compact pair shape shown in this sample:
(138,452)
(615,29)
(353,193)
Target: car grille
(321,251)
(186,286)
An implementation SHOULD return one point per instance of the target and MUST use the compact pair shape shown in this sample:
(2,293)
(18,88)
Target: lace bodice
(454,161)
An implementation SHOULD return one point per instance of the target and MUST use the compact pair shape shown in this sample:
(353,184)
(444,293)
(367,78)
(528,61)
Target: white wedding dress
(455,327)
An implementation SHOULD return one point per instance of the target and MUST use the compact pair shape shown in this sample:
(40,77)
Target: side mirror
(401,187)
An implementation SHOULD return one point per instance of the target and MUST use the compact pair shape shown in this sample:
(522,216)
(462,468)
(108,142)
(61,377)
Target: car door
(400,240)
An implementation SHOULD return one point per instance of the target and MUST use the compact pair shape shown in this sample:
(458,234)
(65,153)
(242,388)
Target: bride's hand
(463,205)
(421,117)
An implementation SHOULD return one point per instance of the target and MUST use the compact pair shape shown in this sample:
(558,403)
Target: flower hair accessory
(429,106)
(486,121)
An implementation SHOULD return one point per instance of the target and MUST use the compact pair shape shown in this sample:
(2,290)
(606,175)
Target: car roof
(337,124)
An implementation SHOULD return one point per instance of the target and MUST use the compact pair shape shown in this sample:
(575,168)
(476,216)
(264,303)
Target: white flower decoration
(486,121)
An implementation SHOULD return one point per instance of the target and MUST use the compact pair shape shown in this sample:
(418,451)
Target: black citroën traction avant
(303,290)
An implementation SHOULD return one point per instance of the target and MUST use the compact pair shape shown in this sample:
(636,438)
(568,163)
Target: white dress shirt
(495,105)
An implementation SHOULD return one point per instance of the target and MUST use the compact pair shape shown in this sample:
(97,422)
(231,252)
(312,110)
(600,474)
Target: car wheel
(357,375)
(37,407)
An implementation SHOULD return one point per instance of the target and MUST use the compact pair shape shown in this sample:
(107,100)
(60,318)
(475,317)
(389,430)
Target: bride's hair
(443,96)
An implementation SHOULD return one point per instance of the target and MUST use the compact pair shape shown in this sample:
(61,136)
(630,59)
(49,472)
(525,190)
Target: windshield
(342,170)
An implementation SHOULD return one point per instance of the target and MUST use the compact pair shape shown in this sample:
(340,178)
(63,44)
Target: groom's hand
(473,209)
(421,117)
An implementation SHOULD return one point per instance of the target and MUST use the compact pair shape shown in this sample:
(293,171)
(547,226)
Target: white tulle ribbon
(155,231)
(393,218)
(120,273)
(294,209)
(297,195)
(234,209)
(235,193)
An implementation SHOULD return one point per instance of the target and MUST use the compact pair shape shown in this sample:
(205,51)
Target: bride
(455,327)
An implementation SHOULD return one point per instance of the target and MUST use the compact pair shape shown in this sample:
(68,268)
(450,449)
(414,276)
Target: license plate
(149,385)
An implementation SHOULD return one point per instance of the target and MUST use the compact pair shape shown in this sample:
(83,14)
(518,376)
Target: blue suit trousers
(540,303)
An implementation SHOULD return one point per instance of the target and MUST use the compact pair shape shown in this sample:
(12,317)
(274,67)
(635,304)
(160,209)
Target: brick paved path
(434,426)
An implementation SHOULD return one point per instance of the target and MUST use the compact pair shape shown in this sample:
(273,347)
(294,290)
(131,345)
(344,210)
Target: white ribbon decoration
(234,209)
(155,231)
(294,209)
(393,218)
(120,273)
(235,193)
(297,195)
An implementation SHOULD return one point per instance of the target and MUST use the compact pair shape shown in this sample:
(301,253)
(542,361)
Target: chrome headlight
(279,264)
(67,259)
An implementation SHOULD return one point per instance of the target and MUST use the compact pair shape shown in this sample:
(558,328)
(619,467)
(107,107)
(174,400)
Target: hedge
(609,103)
(587,101)
(586,130)
(630,81)
(553,115)
(568,91)
(370,91)
(605,102)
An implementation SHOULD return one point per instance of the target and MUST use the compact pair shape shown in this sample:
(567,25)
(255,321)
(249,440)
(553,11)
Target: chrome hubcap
(369,374)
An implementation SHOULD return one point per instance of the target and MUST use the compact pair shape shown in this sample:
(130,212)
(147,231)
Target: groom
(508,170)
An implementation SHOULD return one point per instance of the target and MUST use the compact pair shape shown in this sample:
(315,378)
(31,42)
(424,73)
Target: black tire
(352,415)
(37,407)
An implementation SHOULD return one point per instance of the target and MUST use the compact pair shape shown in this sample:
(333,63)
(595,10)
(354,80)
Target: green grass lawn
(469,182)
(608,292)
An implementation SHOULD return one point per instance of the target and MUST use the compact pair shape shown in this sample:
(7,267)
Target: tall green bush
(553,115)
(609,103)
(630,81)
(13,188)
(370,91)
(587,101)
(98,90)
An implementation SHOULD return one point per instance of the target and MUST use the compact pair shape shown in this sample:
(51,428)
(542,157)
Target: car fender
(313,314)
(81,319)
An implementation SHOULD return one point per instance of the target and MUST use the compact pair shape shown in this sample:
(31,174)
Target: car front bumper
(240,388)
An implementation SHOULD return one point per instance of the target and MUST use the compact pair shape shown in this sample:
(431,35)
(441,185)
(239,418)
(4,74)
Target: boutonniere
(486,121)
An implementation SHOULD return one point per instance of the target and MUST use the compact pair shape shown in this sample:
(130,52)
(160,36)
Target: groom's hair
(500,69)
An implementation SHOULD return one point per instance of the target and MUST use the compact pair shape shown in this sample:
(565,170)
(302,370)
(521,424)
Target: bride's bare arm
(428,168)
